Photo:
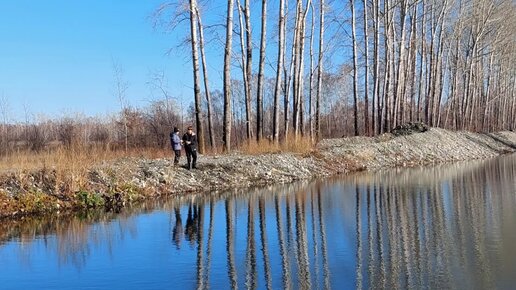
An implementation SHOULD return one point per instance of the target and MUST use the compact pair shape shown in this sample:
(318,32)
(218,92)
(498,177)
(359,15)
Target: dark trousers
(177,154)
(191,158)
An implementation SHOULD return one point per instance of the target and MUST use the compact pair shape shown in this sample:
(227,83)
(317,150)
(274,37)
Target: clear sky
(56,56)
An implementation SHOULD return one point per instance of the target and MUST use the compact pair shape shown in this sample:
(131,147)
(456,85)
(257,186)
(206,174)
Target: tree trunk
(259,93)
(295,66)
(195,63)
(400,83)
(355,68)
(226,134)
(245,73)
(376,69)
(279,68)
(311,80)
(420,94)
(366,70)
(298,58)
(319,72)
(301,67)
(413,63)
(206,87)
(249,69)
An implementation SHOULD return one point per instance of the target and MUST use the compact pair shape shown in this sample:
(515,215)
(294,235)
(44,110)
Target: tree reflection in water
(449,232)
(451,226)
(71,237)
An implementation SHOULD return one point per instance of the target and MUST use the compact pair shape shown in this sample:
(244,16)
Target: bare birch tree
(226,134)
(259,93)
(246,62)
(319,72)
(355,67)
(195,64)
(279,69)
(211,130)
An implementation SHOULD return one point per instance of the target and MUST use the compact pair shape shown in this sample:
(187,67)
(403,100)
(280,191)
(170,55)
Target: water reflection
(451,226)
(71,238)
(454,233)
(177,232)
(250,281)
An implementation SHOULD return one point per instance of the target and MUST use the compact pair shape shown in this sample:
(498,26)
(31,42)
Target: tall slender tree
(259,93)
(195,64)
(311,76)
(226,134)
(319,72)
(366,70)
(246,63)
(279,68)
(207,92)
(355,67)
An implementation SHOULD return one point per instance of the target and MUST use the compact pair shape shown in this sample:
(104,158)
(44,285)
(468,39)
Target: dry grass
(71,159)
(292,144)
(70,165)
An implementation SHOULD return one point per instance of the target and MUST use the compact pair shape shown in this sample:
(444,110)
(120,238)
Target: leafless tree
(195,64)
(206,86)
(121,86)
(259,93)
(226,135)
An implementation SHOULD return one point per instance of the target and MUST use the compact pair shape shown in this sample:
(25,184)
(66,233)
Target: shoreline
(113,185)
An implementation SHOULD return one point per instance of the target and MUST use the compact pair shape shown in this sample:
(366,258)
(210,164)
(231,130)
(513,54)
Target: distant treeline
(146,127)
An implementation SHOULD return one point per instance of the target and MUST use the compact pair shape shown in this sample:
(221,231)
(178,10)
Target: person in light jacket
(176,141)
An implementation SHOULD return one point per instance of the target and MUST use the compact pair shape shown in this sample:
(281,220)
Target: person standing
(190,142)
(175,141)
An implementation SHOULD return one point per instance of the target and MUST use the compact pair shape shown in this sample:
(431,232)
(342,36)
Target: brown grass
(292,144)
(71,165)
(71,159)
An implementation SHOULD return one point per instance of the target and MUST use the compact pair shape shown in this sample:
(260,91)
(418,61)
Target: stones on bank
(114,184)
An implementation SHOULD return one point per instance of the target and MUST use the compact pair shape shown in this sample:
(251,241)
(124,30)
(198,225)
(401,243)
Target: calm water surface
(451,226)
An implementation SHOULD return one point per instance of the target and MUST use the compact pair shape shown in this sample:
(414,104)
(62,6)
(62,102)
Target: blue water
(445,227)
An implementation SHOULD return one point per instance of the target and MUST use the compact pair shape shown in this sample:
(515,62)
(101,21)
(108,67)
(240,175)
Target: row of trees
(324,69)
(448,63)
(147,127)
(150,126)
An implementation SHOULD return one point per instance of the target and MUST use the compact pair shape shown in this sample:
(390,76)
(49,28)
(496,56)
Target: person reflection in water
(191,228)
(177,232)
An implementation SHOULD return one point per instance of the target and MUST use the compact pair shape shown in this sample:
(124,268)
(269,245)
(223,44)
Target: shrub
(89,200)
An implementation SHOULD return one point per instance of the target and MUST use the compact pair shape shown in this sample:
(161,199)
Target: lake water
(445,227)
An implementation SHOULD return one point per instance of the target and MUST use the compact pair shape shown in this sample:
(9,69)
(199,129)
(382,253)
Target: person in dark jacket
(175,141)
(190,142)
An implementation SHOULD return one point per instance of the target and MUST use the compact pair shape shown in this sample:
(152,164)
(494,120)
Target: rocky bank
(114,184)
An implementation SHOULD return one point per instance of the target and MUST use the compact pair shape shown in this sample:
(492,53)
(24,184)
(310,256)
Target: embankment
(114,184)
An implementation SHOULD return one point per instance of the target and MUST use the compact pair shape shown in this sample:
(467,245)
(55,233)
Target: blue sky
(56,56)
